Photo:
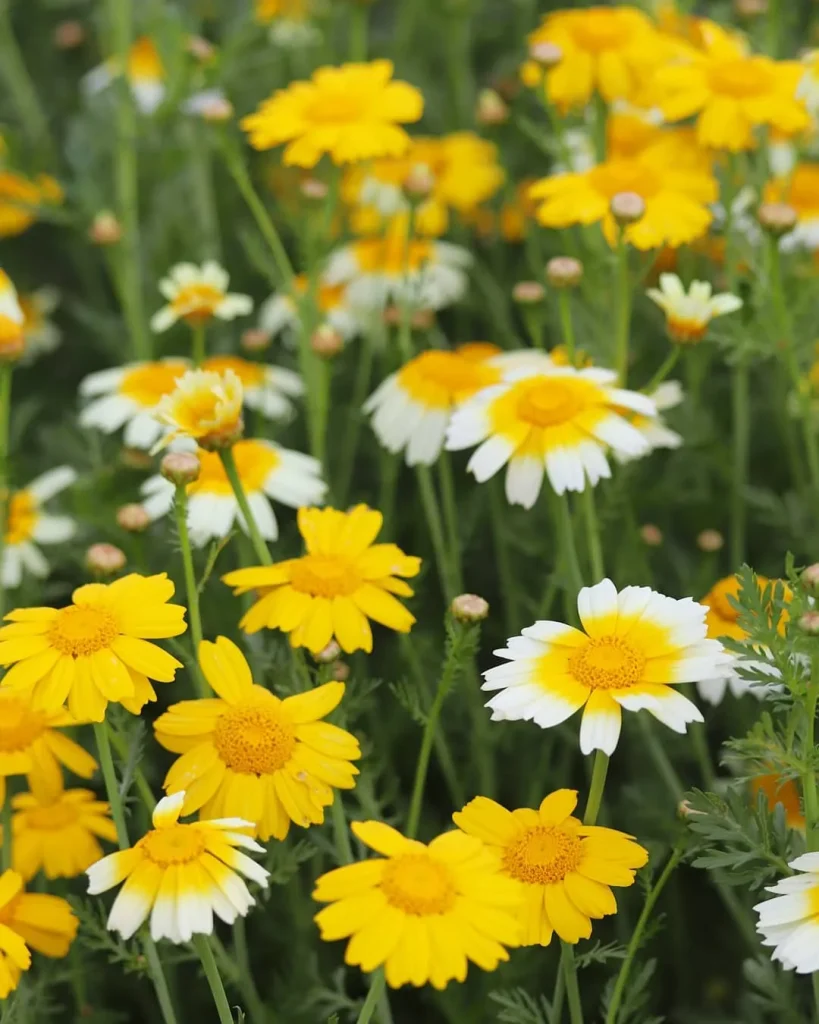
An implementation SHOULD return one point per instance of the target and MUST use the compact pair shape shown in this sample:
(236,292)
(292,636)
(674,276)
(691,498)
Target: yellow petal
(226,669)
(314,704)
(147,658)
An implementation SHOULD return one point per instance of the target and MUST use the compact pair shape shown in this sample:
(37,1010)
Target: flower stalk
(232,473)
(6,849)
(6,371)
(191,587)
(203,949)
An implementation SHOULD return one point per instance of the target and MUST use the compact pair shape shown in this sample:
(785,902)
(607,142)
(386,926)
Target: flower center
(741,78)
(250,374)
(196,303)
(324,576)
(607,663)
(22,518)
(147,384)
(254,739)
(549,402)
(79,630)
(53,817)
(438,379)
(622,175)
(178,844)
(19,725)
(418,885)
(685,327)
(600,29)
(254,463)
(542,855)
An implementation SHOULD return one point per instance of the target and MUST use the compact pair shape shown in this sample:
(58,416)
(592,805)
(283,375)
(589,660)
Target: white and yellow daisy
(808,88)
(181,875)
(280,313)
(27,525)
(40,333)
(552,419)
(635,647)
(689,313)
(144,71)
(290,21)
(12,318)
(209,104)
(266,471)
(267,388)
(653,428)
(412,408)
(127,396)
(205,406)
(790,923)
(196,294)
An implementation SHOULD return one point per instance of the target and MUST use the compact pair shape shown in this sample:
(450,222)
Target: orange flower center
(542,855)
(607,663)
(622,175)
(254,739)
(79,630)
(197,303)
(147,384)
(22,518)
(324,576)
(601,29)
(418,885)
(438,379)
(178,844)
(391,255)
(19,725)
(52,817)
(741,78)
(549,402)
(254,462)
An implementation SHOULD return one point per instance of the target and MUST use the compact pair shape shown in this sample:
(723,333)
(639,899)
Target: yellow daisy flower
(144,71)
(731,92)
(423,911)
(799,190)
(21,198)
(12,319)
(332,591)
(30,919)
(181,875)
(267,389)
(28,525)
(196,295)
(251,755)
(689,313)
(352,113)
(204,405)
(96,650)
(55,830)
(565,867)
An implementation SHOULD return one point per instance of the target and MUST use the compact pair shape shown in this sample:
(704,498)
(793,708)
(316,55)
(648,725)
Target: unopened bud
(651,535)
(547,54)
(328,654)
(180,467)
(777,218)
(341,671)
(68,35)
(135,458)
(254,339)
(528,293)
(200,48)
(419,182)
(685,810)
(564,272)
(491,108)
(810,577)
(104,559)
(627,208)
(326,342)
(314,188)
(809,623)
(216,109)
(710,541)
(469,608)
(105,229)
(133,518)
(750,8)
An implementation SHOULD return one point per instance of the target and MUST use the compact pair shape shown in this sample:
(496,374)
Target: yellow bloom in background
(603,49)
(196,295)
(253,756)
(96,650)
(181,875)
(423,911)
(29,742)
(28,525)
(41,334)
(30,919)
(289,20)
(266,388)
(144,71)
(676,198)
(566,868)
(799,190)
(352,113)
(56,830)
(280,313)
(204,405)
(731,92)
(12,320)
(21,198)
(780,790)
(688,314)
(332,591)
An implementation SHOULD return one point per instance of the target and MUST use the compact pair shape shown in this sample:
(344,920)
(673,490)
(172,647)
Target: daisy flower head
(565,868)
(798,191)
(209,104)
(548,419)
(144,71)
(250,754)
(12,320)
(30,920)
(290,22)
(28,525)
(351,113)
(675,198)
(127,396)
(808,88)
(412,408)
(40,333)
(780,790)
(204,405)
(266,470)
(333,590)
(398,268)
(57,831)
(267,389)
(180,875)
(22,198)
(423,911)
(279,314)
(196,294)
(731,92)
(688,314)
(634,648)
(790,922)
(95,650)
(654,429)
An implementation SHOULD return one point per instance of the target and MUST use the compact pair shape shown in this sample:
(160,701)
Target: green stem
(566,535)
(198,349)
(559,995)
(598,782)
(6,857)
(202,946)
(359,26)
(145,792)
(600,118)
(809,791)
(259,1013)
(5,420)
(666,368)
(508,584)
(699,740)
(815,985)
(451,520)
(232,473)
(201,171)
(163,993)
(341,833)
(741,438)
(111,784)
(194,617)
(19,83)
(377,985)
(564,309)
(622,290)
(432,512)
(572,989)
(361,386)
(637,935)
(660,758)
(592,532)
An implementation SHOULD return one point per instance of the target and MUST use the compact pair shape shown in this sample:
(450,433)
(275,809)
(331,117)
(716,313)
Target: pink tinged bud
(627,208)
(809,623)
(777,218)
(564,272)
(651,535)
(104,559)
(105,229)
(491,108)
(327,655)
(810,577)
(326,342)
(180,468)
(528,293)
(254,339)
(133,518)
(547,54)
(469,608)
(710,541)
(68,35)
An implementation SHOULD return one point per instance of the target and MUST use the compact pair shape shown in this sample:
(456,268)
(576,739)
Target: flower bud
(750,8)
(68,35)
(326,342)
(528,293)
(469,608)
(809,623)
(104,559)
(549,55)
(685,810)
(314,188)
(627,208)
(216,109)
(341,672)
(180,468)
(710,541)
(564,272)
(419,182)
(200,48)
(133,518)
(777,218)
(135,458)
(651,535)
(328,654)
(491,108)
(105,229)
(254,339)
(810,577)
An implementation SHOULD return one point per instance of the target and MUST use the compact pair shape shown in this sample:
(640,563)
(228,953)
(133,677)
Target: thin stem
(599,124)
(201,171)
(598,782)
(198,350)
(19,84)
(341,833)
(451,519)
(668,365)
(622,290)
(809,792)
(202,946)
(660,758)
(815,985)
(566,535)
(232,473)
(572,989)
(741,439)
(194,618)
(145,792)
(592,532)
(508,583)
(564,309)
(699,740)
(6,857)
(111,784)
(432,512)
(358,31)
(361,386)
(5,419)
(373,998)
(163,993)
(637,935)
(259,1014)
(559,995)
